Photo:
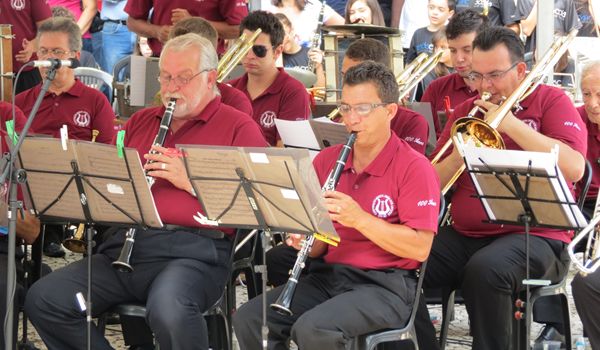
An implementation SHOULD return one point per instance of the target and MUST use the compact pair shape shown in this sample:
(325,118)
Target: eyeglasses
(491,77)
(42,52)
(259,50)
(362,109)
(165,79)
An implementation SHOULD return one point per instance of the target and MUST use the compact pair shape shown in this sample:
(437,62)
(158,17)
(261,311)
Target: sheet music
(550,185)
(329,133)
(297,133)
(110,177)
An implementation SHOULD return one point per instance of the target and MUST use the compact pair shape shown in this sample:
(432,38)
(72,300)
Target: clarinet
(282,304)
(316,40)
(123,261)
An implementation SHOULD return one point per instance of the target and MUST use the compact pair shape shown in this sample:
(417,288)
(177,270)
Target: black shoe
(549,333)
(54,250)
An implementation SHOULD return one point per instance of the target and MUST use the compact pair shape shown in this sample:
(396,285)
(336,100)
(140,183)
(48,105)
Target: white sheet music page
(297,134)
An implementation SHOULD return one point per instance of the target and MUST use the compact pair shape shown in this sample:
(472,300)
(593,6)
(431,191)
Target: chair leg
(447,314)
(566,321)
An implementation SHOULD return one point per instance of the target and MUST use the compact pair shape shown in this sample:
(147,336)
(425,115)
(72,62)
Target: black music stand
(86,182)
(525,189)
(280,193)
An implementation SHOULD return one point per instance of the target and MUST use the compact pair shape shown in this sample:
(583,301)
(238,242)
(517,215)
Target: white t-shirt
(306,23)
(414,15)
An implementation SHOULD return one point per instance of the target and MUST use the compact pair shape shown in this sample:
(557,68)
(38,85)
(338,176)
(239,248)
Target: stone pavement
(458,333)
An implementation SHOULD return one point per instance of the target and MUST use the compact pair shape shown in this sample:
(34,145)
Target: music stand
(87,182)
(525,189)
(258,188)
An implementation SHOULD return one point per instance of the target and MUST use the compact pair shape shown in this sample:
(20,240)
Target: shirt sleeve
(233,11)
(295,104)
(509,12)
(138,9)
(40,10)
(572,19)
(104,120)
(415,132)
(419,198)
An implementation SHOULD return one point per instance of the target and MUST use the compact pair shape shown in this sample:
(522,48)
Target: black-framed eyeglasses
(491,77)
(179,80)
(58,52)
(259,50)
(362,109)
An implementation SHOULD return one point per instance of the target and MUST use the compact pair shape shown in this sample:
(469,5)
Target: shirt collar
(205,115)
(76,90)
(275,86)
(459,83)
(380,164)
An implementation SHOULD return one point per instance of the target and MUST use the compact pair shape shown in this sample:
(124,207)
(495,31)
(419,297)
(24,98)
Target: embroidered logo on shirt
(382,206)
(426,202)
(416,140)
(572,124)
(267,119)
(18,5)
(82,119)
(531,123)
(560,13)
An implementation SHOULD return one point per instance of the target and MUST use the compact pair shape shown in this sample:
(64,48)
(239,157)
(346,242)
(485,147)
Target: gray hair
(589,68)
(62,25)
(208,54)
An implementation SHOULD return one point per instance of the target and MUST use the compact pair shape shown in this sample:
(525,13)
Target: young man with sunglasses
(274,93)
(487,261)
(384,208)
(460,31)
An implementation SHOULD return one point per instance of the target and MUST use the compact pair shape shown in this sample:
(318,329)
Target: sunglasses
(259,50)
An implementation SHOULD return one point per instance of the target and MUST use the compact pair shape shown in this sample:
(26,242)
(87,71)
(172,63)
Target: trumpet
(590,261)
(76,242)
(283,303)
(234,55)
(123,261)
(483,132)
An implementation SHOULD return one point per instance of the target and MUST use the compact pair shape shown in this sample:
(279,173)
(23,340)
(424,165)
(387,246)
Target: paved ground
(458,334)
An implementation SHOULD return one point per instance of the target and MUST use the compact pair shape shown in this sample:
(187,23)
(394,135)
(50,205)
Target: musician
(487,261)
(586,290)
(274,93)
(499,12)
(24,20)
(224,15)
(366,283)
(460,32)
(229,95)
(179,271)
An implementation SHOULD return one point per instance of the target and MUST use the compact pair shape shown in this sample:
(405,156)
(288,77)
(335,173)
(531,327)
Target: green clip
(120,142)
(10,129)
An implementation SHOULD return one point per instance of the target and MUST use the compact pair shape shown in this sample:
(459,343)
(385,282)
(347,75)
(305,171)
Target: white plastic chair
(93,77)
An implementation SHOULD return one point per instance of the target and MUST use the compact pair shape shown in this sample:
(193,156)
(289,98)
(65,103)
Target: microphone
(56,63)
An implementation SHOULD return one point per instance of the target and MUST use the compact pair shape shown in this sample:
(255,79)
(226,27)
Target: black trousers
(332,304)
(490,272)
(280,260)
(586,293)
(179,275)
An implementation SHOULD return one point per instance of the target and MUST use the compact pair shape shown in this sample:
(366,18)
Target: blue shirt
(114,10)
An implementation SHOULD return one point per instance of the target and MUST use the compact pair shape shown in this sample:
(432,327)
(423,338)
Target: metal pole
(545,32)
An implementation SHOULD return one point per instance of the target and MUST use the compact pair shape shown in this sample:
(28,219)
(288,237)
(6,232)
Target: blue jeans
(118,42)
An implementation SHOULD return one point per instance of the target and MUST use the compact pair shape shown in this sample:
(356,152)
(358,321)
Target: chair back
(94,78)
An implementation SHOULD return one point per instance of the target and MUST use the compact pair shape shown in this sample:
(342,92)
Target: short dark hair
(267,22)
(195,25)
(450,3)
(369,49)
(377,74)
(491,37)
(465,22)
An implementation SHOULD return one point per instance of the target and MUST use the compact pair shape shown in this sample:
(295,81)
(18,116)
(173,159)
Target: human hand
(168,165)
(25,54)
(294,240)
(343,209)
(179,14)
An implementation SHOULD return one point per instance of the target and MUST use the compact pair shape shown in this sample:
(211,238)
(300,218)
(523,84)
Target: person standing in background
(84,12)
(118,41)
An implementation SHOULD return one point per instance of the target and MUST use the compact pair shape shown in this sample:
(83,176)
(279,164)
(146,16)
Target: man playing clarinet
(385,211)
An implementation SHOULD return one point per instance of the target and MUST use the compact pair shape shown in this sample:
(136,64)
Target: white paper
(297,133)
(259,158)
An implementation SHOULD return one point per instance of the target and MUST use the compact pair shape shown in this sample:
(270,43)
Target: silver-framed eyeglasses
(491,77)
(362,109)
(179,80)
(57,52)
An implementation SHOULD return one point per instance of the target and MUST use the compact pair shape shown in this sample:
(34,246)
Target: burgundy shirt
(452,85)
(235,98)
(82,109)
(217,124)
(593,152)
(399,186)
(6,114)
(230,11)
(285,99)
(548,111)
(411,127)
(23,15)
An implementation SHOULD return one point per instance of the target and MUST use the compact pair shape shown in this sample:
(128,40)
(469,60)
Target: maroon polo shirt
(452,85)
(411,127)
(235,98)
(82,109)
(548,111)
(217,124)
(6,114)
(593,152)
(285,99)
(230,11)
(399,186)
(23,15)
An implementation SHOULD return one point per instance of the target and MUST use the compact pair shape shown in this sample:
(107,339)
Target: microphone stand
(17,176)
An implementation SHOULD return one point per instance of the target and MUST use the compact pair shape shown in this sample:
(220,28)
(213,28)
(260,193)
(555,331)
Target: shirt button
(356,187)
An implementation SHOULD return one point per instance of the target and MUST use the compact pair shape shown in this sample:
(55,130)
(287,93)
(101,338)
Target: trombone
(483,132)
(234,55)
